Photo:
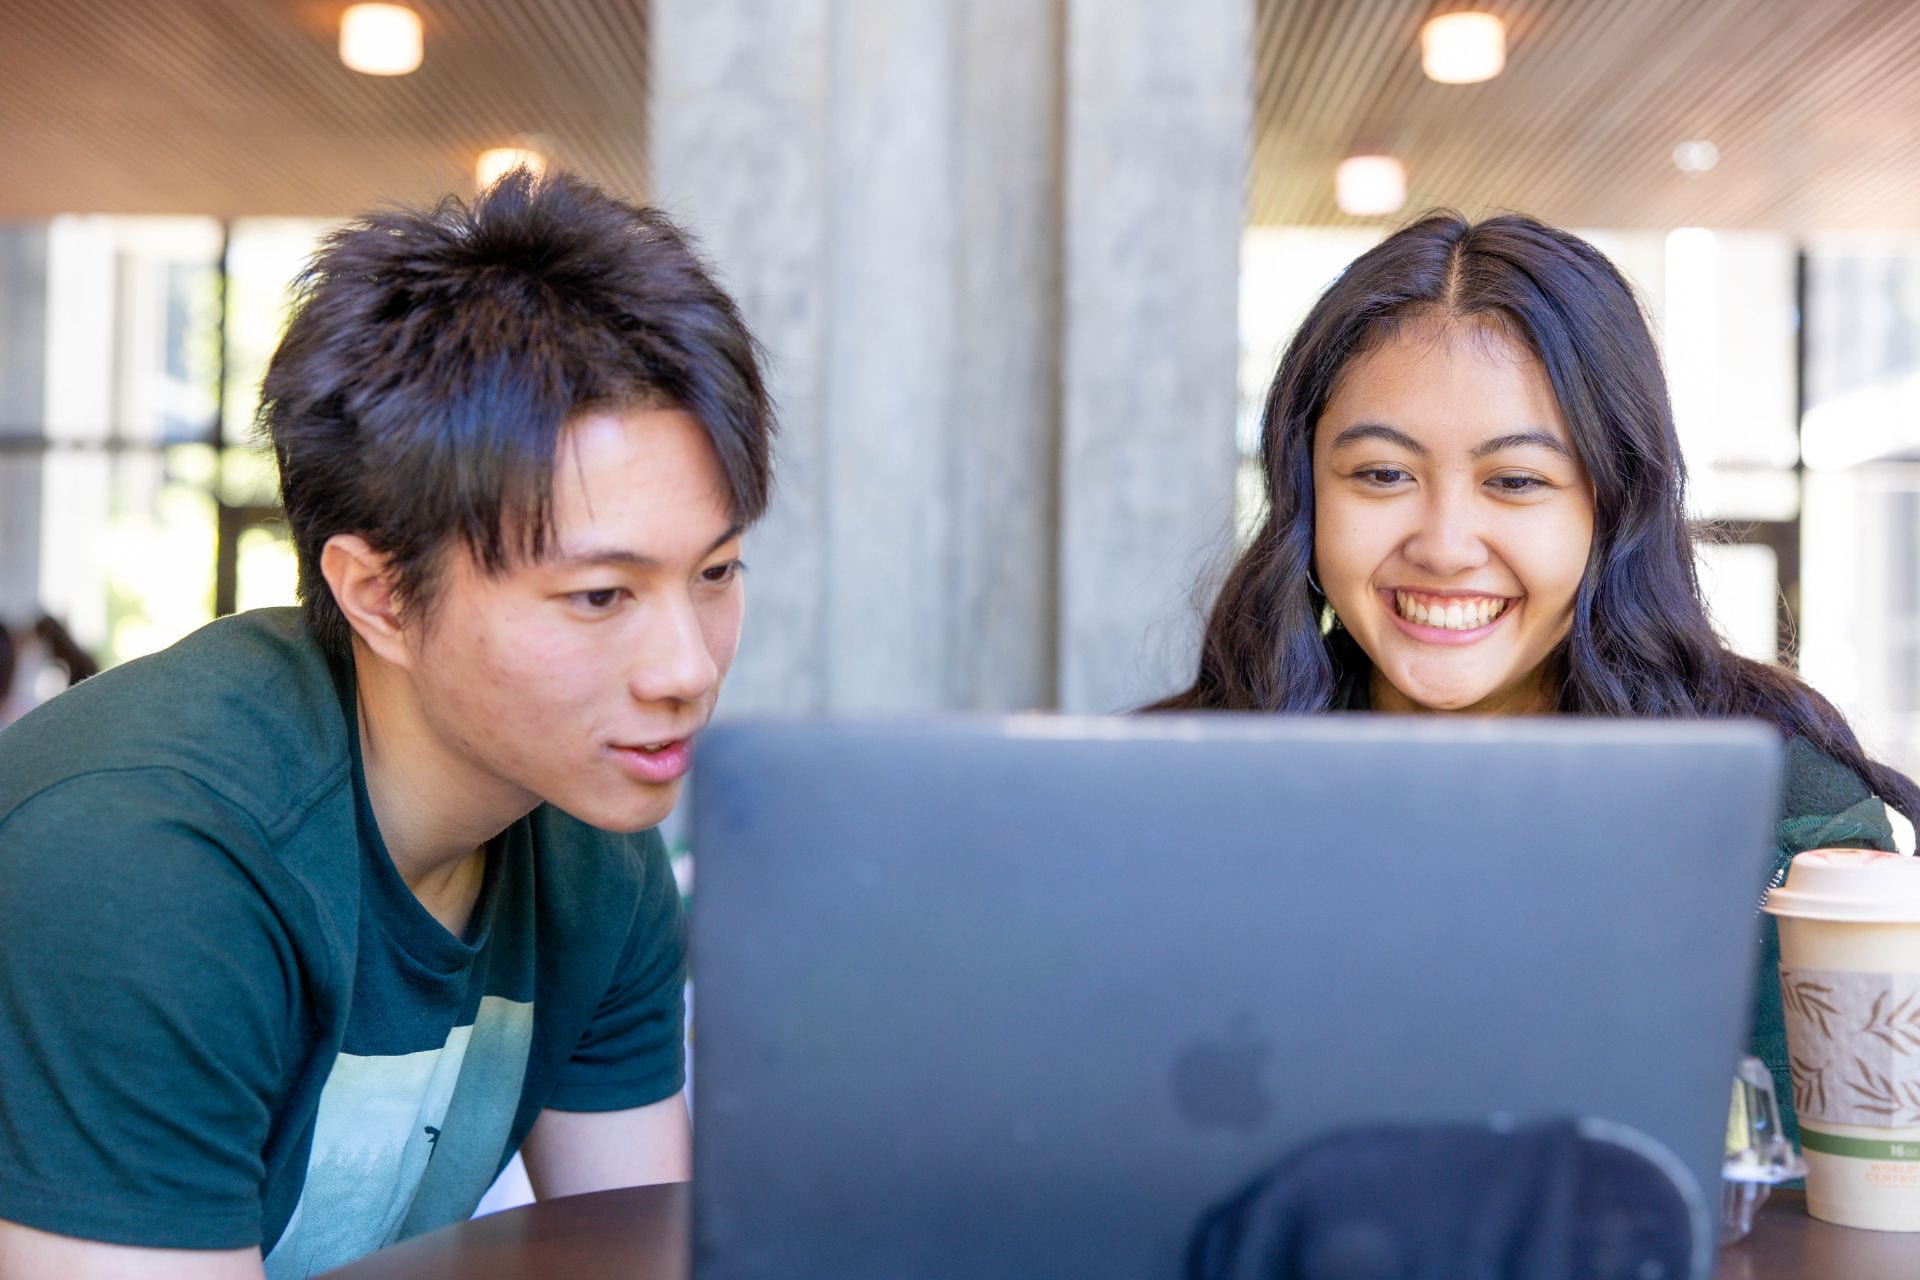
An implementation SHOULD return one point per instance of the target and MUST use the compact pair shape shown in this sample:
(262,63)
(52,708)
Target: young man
(310,922)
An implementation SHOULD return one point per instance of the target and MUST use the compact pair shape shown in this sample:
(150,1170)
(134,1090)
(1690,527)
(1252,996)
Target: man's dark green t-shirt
(226,1021)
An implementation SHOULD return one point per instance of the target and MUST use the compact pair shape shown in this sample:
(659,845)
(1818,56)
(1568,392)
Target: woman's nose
(1448,540)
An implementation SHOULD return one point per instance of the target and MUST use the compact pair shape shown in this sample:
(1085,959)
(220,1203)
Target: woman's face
(1452,518)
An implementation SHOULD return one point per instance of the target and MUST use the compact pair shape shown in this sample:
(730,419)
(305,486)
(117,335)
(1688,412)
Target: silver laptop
(1024,997)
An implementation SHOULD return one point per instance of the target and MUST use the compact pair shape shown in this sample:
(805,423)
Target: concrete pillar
(23,359)
(1158,129)
(1003,491)
(740,146)
(892,193)
(892,190)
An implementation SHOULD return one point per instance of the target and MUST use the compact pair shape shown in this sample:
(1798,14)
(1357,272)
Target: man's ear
(362,584)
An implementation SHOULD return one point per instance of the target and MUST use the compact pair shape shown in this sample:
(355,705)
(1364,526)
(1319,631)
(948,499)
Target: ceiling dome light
(1370,186)
(1697,155)
(1463,48)
(380,39)
(496,163)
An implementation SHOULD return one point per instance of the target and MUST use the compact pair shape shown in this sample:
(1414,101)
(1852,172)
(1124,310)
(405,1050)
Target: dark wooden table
(1788,1245)
(641,1234)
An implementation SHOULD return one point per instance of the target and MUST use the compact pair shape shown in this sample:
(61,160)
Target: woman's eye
(1517,484)
(1383,476)
(597,601)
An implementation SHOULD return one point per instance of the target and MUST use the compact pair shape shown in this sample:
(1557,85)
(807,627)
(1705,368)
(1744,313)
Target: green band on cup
(1832,1144)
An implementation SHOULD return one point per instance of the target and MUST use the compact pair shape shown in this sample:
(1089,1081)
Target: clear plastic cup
(1759,1157)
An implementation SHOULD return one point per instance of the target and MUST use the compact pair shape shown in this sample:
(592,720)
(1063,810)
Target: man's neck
(435,809)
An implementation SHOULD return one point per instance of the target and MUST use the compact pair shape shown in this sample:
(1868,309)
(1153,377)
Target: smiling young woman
(1453,519)
(1476,503)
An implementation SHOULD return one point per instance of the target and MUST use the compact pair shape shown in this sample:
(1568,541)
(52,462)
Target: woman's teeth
(1451,613)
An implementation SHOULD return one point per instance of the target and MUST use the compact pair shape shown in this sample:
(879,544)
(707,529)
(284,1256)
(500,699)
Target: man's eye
(723,572)
(600,600)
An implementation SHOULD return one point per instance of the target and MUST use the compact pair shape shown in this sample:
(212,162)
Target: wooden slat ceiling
(1814,105)
(234,107)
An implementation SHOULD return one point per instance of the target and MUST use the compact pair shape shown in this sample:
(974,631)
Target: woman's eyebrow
(1378,431)
(1535,437)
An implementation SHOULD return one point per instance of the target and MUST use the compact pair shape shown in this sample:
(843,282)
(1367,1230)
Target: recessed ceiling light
(1696,155)
(1463,48)
(496,163)
(1370,186)
(380,39)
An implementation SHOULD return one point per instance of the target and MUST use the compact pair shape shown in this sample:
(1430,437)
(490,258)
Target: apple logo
(1221,1083)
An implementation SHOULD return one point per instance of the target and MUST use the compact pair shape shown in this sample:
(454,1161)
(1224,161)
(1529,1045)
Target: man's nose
(674,663)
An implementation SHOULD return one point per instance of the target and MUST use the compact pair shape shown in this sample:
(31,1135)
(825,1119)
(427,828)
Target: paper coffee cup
(1850,986)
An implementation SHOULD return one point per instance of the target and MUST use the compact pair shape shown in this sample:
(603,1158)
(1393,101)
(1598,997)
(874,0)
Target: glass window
(1860,625)
(134,447)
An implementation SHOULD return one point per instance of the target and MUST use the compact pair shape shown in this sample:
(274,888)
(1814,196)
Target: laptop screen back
(1024,997)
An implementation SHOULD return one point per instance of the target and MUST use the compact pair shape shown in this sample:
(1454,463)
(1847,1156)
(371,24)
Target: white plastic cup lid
(1850,884)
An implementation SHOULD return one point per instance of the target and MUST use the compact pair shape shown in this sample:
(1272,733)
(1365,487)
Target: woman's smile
(1447,611)
(1449,621)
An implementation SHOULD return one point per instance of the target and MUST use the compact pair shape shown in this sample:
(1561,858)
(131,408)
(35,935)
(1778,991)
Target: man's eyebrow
(583,557)
(1534,437)
(1378,431)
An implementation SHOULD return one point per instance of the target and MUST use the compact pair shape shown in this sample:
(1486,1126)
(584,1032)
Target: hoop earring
(1329,620)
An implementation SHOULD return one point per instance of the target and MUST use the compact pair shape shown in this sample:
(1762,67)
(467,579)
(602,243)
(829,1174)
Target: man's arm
(27,1254)
(571,1152)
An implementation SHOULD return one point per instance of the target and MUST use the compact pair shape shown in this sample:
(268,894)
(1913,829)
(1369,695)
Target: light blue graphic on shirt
(406,1143)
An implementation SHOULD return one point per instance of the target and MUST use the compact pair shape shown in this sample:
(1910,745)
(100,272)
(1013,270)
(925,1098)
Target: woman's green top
(1823,805)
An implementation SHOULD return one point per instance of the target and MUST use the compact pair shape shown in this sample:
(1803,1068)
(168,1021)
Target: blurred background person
(37,662)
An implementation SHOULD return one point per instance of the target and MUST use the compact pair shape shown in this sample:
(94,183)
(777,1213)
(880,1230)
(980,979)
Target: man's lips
(657,761)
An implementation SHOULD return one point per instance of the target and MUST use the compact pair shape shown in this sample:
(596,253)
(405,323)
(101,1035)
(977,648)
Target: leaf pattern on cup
(1881,1095)
(1809,1086)
(1810,1000)
(1898,1027)
(1854,1041)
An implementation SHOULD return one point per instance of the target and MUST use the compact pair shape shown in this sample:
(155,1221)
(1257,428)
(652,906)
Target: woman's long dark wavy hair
(1641,643)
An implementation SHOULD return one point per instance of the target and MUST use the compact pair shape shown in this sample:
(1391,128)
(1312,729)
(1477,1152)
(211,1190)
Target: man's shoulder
(245,709)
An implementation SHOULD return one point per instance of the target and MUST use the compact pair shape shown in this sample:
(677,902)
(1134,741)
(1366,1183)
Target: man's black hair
(434,357)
